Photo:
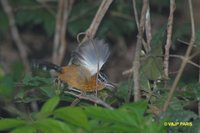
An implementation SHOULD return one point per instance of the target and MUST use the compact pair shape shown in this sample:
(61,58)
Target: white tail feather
(92,55)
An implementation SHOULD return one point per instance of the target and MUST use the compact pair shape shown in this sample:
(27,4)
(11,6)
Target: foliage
(29,14)
(127,118)
(20,91)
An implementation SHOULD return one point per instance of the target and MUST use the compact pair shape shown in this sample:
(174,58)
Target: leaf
(114,116)
(136,110)
(6,86)
(4,24)
(50,105)
(10,123)
(123,90)
(25,129)
(35,81)
(137,107)
(52,126)
(116,128)
(153,68)
(48,90)
(17,71)
(73,115)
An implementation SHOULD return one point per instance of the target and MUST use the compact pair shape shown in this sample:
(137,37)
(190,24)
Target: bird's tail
(91,54)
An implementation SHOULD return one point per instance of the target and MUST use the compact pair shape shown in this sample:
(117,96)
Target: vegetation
(33,101)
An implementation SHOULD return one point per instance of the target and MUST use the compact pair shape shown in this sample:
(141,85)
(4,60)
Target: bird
(83,70)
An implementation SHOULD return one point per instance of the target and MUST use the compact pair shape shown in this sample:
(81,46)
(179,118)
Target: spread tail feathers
(92,55)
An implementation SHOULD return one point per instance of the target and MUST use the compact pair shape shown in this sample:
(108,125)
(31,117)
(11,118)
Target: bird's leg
(73,89)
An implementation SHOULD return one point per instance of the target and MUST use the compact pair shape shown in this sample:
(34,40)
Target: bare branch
(185,60)
(90,98)
(64,8)
(146,46)
(15,33)
(58,30)
(148,28)
(169,38)
(136,62)
(136,13)
(91,31)
(44,5)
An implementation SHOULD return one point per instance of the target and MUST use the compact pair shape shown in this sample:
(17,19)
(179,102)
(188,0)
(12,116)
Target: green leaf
(25,129)
(35,81)
(115,116)
(10,123)
(137,107)
(153,68)
(48,90)
(73,115)
(116,128)
(50,105)
(157,42)
(6,86)
(17,71)
(123,90)
(52,126)
(4,24)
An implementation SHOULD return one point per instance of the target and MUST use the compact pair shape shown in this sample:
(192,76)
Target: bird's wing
(91,54)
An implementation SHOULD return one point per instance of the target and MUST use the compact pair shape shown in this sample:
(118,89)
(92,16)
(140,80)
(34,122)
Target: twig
(67,10)
(75,102)
(146,46)
(91,31)
(136,62)
(188,61)
(169,38)
(148,28)
(44,5)
(199,100)
(126,72)
(184,62)
(90,98)
(58,30)
(64,8)
(15,33)
(199,109)
(184,42)
(135,13)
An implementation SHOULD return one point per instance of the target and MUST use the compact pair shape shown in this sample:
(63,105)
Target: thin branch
(135,13)
(136,62)
(15,33)
(199,100)
(169,38)
(146,46)
(67,10)
(129,71)
(44,5)
(91,31)
(188,61)
(90,98)
(184,62)
(148,27)
(58,30)
(64,8)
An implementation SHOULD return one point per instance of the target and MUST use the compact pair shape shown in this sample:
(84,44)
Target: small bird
(82,73)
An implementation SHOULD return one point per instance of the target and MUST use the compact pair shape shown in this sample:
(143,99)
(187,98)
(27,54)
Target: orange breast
(80,78)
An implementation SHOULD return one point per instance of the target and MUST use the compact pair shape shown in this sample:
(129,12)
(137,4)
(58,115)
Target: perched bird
(82,73)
